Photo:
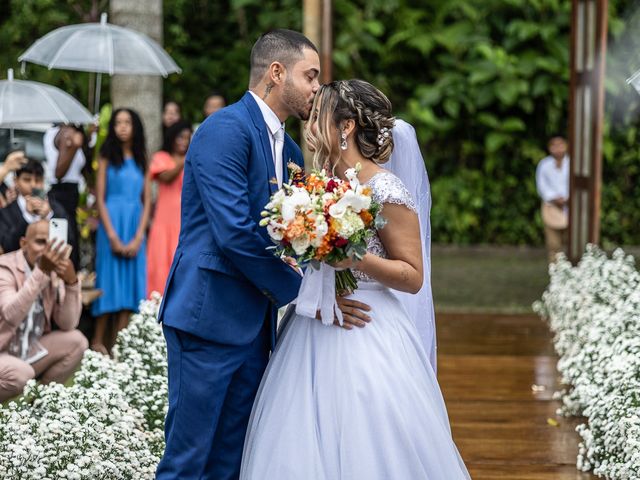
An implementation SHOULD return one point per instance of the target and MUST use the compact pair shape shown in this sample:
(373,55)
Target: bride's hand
(347,263)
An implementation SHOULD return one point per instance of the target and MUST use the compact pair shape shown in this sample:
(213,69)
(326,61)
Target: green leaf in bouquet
(379,222)
(357,250)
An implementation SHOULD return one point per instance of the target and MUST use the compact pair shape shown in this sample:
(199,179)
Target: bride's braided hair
(367,106)
(372,111)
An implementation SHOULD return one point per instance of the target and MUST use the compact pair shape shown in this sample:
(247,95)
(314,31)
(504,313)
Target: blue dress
(123,281)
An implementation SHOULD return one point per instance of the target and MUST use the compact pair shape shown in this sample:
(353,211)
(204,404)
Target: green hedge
(485,83)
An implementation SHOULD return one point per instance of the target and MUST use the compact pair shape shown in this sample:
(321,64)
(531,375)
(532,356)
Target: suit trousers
(212,387)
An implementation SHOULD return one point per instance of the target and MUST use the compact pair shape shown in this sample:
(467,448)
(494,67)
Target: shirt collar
(552,160)
(29,217)
(270,118)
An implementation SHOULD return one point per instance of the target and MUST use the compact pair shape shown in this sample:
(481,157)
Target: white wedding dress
(361,404)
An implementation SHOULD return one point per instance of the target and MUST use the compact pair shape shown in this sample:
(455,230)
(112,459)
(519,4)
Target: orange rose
(366,217)
(296,229)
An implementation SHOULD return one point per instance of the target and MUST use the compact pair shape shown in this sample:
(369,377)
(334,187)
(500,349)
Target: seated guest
(38,286)
(30,206)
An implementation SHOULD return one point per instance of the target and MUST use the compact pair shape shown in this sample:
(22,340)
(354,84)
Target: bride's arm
(401,238)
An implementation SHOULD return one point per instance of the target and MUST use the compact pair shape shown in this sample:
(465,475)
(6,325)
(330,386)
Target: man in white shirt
(63,148)
(552,182)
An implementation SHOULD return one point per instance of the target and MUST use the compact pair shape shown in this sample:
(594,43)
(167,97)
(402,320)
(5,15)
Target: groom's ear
(277,73)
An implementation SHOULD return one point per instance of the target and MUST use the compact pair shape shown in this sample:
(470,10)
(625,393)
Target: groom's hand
(353,313)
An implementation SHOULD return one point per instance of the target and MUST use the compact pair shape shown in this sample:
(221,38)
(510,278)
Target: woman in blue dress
(123,191)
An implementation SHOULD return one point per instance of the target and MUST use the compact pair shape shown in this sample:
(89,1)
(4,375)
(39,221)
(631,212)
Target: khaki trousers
(555,241)
(65,353)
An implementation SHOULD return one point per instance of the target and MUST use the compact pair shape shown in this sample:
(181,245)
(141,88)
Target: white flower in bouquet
(275,231)
(300,244)
(350,201)
(352,176)
(349,224)
(299,199)
(276,200)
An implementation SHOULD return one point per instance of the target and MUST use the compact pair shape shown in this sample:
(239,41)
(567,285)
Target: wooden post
(326,49)
(586,112)
(313,15)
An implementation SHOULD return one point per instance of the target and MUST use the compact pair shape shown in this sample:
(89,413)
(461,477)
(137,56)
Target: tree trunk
(141,93)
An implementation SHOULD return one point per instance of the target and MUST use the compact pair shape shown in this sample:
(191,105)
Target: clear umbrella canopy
(101,48)
(634,81)
(34,102)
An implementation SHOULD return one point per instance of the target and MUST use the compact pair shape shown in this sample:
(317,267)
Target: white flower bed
(107,425)
(594,311)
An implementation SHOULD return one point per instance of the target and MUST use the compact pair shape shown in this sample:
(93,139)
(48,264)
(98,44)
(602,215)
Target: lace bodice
(385,188)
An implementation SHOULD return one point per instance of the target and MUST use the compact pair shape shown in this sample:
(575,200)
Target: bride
(356,403)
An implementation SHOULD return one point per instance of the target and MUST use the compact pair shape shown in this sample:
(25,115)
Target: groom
(224,288)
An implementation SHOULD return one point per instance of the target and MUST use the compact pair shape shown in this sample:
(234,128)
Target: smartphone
(18,144)
(40,193)
(58,229)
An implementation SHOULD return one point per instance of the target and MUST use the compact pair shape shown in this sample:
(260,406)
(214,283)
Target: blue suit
(222,294)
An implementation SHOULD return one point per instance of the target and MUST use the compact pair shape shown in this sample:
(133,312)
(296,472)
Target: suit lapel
(261,126)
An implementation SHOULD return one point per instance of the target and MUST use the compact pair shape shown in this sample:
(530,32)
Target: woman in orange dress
(167,167)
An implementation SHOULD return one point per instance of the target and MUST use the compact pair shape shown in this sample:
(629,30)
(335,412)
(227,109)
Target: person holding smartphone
(12,162)
(38,289)
(64,148)
(30,206)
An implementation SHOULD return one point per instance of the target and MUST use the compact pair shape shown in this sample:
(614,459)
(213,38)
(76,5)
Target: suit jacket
(224,282)
(13,225)
(62,304)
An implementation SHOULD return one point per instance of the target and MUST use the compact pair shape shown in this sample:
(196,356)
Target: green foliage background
(485,83)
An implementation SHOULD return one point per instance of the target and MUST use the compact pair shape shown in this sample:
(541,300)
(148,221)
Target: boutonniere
(296,173)
(293,168)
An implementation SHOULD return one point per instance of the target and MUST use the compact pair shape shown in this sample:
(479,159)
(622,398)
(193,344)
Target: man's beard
(296,101)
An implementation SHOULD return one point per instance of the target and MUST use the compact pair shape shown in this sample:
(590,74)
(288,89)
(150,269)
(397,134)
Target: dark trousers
(211,392)
(66,194)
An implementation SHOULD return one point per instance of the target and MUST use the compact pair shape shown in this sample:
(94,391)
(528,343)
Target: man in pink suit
(38,286)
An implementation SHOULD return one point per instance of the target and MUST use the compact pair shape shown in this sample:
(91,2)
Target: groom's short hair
(280,45)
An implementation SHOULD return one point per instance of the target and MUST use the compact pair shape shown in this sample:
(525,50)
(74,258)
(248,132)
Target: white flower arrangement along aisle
(107,425)
(594,312)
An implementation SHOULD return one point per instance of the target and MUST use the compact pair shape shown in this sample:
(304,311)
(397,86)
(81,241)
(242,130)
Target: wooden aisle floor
(487,366)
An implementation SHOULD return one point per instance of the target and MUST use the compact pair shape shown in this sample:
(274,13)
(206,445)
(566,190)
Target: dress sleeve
(160,162)
(387,188)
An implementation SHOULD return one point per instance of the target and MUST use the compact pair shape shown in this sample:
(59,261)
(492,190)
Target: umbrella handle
(96,101)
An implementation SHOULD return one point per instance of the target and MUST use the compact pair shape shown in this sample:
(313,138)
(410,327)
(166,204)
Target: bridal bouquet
(319,218)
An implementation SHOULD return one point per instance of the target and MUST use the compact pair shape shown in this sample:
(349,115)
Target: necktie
(278,146)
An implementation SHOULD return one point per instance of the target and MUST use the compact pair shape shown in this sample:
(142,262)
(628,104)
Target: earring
(343,141)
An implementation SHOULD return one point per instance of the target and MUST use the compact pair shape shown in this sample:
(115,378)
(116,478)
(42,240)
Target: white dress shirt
(276,138)
(74,173)
(552,182)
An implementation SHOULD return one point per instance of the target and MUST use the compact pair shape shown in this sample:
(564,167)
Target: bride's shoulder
(387,188)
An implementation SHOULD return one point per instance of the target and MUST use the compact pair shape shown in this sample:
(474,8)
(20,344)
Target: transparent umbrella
(34,102)
(100,48)
(634,81)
